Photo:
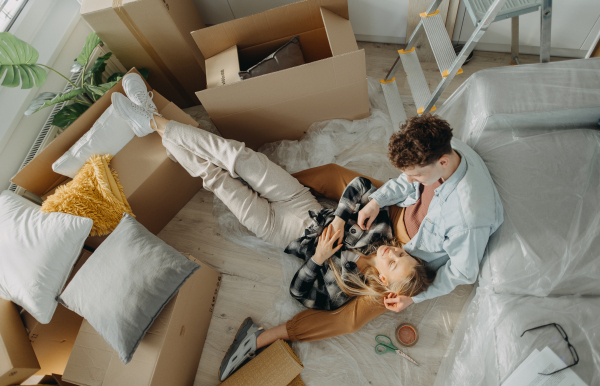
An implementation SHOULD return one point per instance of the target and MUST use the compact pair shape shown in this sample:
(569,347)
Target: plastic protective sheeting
(492,347)
(536,128)
(351,359)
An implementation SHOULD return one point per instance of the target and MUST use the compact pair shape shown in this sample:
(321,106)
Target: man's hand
(325,248)
(338,225)
(368,214)
(396,303)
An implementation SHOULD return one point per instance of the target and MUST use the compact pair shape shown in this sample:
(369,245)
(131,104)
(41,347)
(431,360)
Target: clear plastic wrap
(536,128)
(351,360)
(491,347)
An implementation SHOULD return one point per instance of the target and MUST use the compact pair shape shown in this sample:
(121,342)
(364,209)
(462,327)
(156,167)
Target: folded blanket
(95,192)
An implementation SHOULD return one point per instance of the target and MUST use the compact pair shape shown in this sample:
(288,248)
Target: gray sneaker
(242,348)
(136,91)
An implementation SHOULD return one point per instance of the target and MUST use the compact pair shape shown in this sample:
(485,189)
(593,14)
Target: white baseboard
(531,50)
(380,39)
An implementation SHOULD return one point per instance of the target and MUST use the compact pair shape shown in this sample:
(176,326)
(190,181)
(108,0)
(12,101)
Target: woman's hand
(325,248)
(338,225)
(396,303)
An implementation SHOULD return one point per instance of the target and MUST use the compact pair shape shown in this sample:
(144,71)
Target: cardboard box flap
(285,21)
(280,86)
(37,176)
(339,7)
(339,32)
(17,359)
(168,354)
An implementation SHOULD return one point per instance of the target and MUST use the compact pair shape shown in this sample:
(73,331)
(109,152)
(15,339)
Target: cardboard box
(155,186)
(153,34)
(283,105)
(170,352)
(53,342)
(223,68)
(17,359)
(277,365)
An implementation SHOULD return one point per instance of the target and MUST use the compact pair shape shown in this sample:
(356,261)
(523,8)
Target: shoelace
(146,99)
(147,113)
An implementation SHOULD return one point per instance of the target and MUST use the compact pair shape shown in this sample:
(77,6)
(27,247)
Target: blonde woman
(343,289)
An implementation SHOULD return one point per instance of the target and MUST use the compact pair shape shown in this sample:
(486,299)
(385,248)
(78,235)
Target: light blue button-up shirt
(464,212)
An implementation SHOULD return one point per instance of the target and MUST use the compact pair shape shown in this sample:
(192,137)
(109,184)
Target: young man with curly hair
(451,204)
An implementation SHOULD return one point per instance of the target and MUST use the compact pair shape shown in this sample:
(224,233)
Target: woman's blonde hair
(369,284)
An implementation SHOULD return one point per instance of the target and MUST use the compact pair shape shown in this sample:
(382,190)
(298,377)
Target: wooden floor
(251,280)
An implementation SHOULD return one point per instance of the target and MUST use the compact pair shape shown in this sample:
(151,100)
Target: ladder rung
(416,79)
(394,102)
(439,41)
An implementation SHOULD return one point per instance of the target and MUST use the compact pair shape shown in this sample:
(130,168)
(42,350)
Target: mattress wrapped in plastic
(536,128)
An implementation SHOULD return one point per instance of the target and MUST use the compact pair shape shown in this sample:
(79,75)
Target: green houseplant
(19,67)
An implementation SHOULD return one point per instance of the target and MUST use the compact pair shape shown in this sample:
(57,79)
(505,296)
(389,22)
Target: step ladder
(484,13)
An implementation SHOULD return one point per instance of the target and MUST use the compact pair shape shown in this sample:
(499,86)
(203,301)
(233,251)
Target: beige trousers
(274,205)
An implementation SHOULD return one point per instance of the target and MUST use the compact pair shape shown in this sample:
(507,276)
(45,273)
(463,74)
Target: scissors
(385,344)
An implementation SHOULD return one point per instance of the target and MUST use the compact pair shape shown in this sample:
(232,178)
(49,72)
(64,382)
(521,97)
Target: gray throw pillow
(125,284)
(287,56)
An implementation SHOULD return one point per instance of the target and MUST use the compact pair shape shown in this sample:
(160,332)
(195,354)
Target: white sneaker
(136,91)
(138,117)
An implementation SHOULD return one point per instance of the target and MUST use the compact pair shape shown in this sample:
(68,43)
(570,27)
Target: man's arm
(394,192)
(465,250)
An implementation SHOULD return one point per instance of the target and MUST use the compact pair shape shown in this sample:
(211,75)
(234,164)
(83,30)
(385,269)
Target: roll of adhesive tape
(407,335)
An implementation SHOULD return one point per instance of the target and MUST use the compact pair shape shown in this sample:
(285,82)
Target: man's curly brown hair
(421,141)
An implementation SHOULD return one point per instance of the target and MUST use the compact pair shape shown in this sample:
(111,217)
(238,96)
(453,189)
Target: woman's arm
(356,192)
(308,285)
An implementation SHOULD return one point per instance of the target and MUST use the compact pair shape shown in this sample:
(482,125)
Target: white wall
(58,42)
(574,26)
(372,20)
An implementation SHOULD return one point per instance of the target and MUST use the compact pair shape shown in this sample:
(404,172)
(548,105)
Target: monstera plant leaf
(115,77)
(90,44)
(100,90)
(18,65)
(144,72)
(46,99)
(68,114)
(95,73)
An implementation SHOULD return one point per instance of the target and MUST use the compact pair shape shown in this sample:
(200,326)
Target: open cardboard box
(17,359)
(282,105)
(53,342)
(155,186)
(170,352)
(153,34)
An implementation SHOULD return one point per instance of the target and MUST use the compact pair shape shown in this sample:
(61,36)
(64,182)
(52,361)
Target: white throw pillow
(109,134)
(37,252)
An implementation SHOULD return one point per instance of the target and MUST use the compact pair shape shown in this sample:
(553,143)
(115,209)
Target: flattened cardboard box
(283,105)
(17,359)
(153,34)
(155,186)
(170,352)
(53,342)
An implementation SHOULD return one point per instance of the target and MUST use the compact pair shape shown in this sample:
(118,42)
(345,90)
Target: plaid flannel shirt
(314,285)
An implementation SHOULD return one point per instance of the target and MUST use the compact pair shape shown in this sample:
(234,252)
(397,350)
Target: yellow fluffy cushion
(95,192)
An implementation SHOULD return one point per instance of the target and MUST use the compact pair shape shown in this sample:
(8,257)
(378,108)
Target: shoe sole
(132,80)
(122,113)
(244,327)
